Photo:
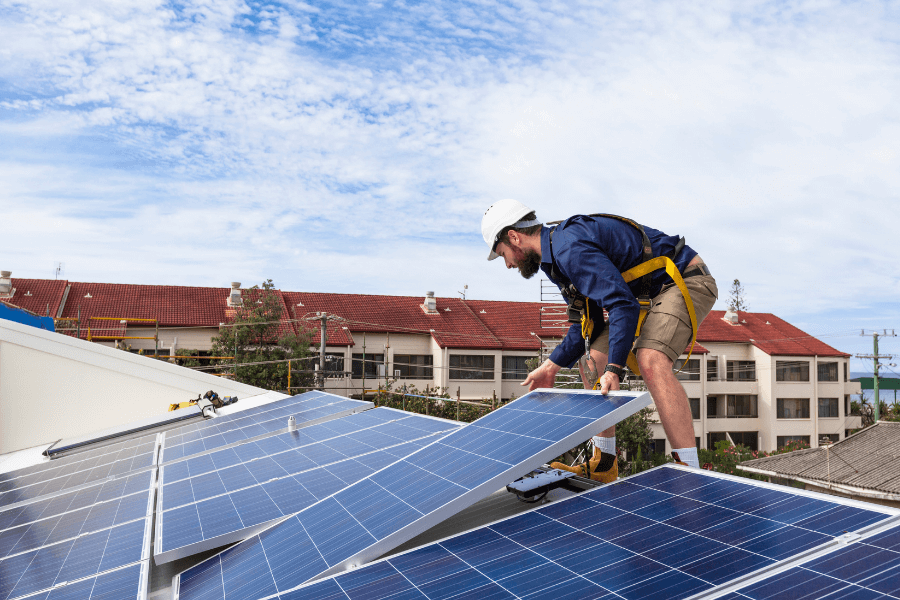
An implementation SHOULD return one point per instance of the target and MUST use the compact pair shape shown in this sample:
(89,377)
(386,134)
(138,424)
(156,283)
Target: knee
(653,363)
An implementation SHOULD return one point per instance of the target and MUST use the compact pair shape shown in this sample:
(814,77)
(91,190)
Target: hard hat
(501,214)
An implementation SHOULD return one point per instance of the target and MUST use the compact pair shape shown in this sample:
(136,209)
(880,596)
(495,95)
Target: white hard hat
(502,213)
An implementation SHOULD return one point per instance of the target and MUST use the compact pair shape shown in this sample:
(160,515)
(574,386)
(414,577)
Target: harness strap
(642,270)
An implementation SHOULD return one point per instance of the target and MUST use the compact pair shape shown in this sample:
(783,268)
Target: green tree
(736,301)
(261,343)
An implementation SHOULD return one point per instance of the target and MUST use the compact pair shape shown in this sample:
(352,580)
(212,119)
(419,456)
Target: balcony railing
(756,416)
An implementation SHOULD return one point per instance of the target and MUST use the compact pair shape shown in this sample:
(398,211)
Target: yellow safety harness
(579,305)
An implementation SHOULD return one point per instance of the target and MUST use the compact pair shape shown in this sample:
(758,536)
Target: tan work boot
(601,467)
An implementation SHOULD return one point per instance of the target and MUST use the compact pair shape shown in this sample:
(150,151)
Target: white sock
(605,444)
(687,456)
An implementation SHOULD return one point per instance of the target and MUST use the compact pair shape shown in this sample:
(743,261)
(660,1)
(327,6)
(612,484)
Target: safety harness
(579,311)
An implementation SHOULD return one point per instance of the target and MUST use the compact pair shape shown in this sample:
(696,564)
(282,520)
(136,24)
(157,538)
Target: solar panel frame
(68,546)
(518,415)
(532,575)
(264,419)
(162,556)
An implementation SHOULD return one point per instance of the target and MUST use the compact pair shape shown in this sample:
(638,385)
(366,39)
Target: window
(828,408)
(846,377)
(712,370)
(784,440)
(828,371)
(711,406)
(792,408)
(691,370)
(847,405)
(741,370)
(657,446)
(334,365)
(742,405)
(745,438)
(471,366)
(713,438)
(414,366)
(695,408)
(791,370)
(514,367)
(828,438)
(372,362)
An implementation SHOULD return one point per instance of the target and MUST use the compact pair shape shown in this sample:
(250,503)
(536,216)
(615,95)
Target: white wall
(54,386)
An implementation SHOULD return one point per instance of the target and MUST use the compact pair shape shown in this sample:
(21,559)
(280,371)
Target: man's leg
(669,397)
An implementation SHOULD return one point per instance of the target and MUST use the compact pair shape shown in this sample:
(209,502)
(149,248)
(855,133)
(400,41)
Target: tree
(261,343)
(736,301)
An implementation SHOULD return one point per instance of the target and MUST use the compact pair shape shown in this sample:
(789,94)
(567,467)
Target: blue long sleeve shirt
(592,253)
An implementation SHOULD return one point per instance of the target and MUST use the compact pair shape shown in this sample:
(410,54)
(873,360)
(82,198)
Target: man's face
(527,261)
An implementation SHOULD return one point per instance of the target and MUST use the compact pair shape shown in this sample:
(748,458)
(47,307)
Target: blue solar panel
(214,499)
(308,408)
(79,470)
(866,568)
(386,509)
(127,583)
(73,559)
(618,541)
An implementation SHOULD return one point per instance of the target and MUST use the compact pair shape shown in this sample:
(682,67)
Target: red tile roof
(37,295)
(476,324)
(772,335)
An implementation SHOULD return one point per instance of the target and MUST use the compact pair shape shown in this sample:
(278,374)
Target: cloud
(345,146)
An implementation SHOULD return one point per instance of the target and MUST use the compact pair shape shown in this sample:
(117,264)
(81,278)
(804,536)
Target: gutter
(836,487)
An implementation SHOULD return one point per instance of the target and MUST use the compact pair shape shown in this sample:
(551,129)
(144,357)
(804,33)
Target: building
(752,377)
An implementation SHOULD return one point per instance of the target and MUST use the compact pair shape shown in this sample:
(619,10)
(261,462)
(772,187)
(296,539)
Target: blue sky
(353,146)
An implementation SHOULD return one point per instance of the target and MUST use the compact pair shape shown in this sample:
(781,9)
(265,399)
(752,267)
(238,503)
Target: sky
(353,147)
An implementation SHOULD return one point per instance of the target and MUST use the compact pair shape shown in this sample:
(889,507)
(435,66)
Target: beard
(530,264)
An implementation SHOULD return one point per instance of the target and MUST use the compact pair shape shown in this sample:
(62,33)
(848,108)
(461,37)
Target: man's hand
(608,381)
(542,377)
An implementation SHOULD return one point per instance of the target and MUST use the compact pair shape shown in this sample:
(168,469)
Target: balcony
(722,386)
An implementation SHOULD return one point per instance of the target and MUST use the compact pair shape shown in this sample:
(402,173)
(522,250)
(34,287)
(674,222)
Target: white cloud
(372,137)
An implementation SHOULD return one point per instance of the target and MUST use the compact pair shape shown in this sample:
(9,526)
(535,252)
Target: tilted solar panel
(384,510)
(307,409)
(668,533)
(75,472)
(214,499)
(84,551)
(126,583)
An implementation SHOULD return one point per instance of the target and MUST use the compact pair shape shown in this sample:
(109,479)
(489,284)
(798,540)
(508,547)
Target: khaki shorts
(667,327)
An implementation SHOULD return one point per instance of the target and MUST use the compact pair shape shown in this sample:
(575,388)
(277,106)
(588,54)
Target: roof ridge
(482,323)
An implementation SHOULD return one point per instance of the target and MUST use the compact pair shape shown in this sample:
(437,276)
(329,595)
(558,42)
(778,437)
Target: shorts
(667,327)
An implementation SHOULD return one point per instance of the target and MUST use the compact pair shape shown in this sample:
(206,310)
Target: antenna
(463,293)
(59,270)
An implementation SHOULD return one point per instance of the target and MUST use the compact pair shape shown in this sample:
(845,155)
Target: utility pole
(364,366)
(322,335)
(876,357)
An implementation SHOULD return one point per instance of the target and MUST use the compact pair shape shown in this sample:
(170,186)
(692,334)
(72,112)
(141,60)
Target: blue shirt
(592,253)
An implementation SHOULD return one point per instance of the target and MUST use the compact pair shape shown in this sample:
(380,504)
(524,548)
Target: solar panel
(214,499)
(648,536)
(307,409)
(81,555)
(77,471)
(127,583)
(391,506)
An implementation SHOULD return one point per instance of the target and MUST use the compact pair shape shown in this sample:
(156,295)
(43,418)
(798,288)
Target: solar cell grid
(53,479)
(308,408)
(206,501)
(127,583)
(382,511)
(867,568)
(73,559)
(618,542)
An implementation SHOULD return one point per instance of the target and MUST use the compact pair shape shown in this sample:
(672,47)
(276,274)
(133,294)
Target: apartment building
(753,377)
(762,382)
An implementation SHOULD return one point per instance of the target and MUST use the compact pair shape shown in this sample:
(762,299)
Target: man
(586,256)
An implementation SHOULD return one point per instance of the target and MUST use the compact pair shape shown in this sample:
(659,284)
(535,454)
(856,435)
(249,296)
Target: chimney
(6,288)
(234,298)
(429,307)
(731,316)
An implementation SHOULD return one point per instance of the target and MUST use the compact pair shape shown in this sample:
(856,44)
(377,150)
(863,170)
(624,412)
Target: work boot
(601,467)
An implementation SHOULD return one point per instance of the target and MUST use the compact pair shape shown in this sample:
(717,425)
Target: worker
(586,257)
